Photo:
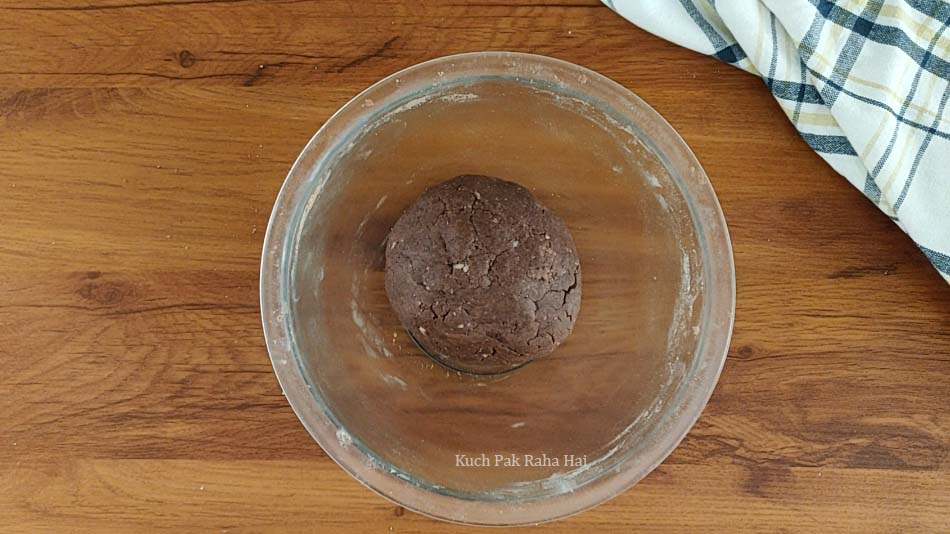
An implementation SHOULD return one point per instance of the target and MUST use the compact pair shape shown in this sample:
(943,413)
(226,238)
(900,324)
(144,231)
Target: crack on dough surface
(489,274)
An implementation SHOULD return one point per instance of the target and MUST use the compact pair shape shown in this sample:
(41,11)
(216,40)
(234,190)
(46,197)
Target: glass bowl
(565,432)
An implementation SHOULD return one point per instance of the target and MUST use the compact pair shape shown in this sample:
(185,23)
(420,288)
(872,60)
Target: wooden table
(142,144)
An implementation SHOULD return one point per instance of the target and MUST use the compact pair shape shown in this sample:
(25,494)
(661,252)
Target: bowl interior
(625,383)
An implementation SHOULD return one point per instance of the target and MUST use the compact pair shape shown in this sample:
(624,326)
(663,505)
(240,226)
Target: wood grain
(142,144)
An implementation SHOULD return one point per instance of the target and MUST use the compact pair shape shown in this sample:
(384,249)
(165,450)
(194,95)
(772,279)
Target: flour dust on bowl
(562,433)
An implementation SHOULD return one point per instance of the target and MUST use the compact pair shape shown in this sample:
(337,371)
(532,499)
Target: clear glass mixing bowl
(583,423)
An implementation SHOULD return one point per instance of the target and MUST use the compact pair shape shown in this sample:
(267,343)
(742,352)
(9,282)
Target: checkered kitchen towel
(864,81)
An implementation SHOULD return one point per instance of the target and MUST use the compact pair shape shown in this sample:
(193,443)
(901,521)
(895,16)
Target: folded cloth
(865,82)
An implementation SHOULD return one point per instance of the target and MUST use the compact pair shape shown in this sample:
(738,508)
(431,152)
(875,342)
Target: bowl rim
(392,484)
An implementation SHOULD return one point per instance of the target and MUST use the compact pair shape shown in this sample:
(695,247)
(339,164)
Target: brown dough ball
(482,275)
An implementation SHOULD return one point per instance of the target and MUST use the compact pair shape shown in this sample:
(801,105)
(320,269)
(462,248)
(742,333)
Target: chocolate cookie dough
(482,275)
